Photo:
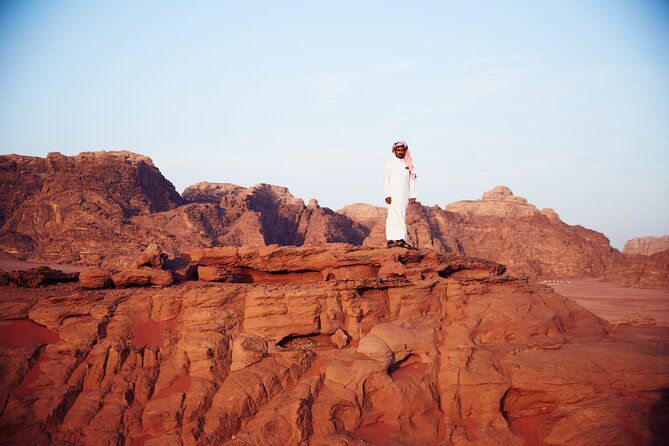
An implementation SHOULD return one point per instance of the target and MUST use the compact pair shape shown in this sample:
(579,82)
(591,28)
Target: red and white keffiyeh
(407,157)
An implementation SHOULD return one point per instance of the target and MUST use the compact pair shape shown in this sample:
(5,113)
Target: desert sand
(615,303)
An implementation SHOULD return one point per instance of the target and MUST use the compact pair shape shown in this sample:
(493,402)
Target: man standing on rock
(400,190)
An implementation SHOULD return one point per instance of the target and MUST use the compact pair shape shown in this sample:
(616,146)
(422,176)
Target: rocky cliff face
(646,245)
(74,208)
(102,207)
(640,270)
(324,345)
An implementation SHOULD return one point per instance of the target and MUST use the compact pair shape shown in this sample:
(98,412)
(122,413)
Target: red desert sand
(615,303)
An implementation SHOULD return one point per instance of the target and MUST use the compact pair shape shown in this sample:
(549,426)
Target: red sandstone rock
(646,245)
(365,214)
(214,274)
(100,208)
(639,270)
(75,208)
(247,349)
(152,256)
(507,229)
(142,277)
(446,350)
(340,338)
(95,278)
(42,275)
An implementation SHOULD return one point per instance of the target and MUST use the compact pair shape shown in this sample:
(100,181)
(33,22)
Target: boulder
(340,338)
(247,349)
(214,274)
(375,348)
(95,278)
(152,256)
(142,277)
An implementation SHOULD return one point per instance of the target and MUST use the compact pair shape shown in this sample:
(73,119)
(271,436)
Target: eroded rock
(96,278)
(41,275)
(142,277)
(340,338)
(445,350)
(247,349)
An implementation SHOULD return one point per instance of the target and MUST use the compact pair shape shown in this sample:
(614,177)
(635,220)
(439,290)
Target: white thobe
(399,186)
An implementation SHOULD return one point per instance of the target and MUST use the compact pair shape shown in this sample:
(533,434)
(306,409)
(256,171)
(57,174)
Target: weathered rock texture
(78,208)
(646,245)
(265,214)
(34,277)
(650,271)
(100,208)
(444,349)
(507,229)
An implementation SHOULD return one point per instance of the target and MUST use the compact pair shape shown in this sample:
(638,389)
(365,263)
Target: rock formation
(99,208)
(646,245)
(34,277)
(274,216)
(73,208)
(365,214)
(505,228)
(499,202)
(443,349)
(640,270)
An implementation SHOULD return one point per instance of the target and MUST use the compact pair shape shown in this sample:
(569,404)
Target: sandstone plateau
(323,345)
(100,208)
(646,245)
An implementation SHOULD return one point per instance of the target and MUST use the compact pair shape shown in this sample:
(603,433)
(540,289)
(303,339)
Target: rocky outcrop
(646,271)
(95,278)
(275,216)
(74,208)
(499,202)
(531,242)
(150,268)
(443,349)
(100,208)
(646,245)
(38,276)
(365,214)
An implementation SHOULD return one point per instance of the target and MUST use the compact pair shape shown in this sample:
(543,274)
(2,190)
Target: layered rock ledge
(321,345)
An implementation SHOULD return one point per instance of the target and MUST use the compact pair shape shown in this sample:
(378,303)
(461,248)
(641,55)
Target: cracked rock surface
(442,349)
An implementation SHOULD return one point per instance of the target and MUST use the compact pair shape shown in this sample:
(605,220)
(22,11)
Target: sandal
(404,244)
(391,243)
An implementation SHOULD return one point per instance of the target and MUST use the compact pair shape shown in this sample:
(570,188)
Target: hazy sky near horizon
(565,102)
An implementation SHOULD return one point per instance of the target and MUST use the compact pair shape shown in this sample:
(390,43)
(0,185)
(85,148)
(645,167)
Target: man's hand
(412,200)
(389,200)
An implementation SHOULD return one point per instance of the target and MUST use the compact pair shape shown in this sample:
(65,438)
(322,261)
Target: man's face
(400,151)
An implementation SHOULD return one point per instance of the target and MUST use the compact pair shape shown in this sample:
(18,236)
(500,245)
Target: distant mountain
(101,207)
(646,245)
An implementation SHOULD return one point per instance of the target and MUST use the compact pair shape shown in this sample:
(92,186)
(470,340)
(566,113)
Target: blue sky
(565,102)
